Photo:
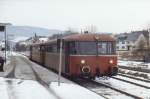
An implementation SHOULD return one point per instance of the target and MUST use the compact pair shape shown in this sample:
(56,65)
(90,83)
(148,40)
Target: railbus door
(42,54)
(30,52)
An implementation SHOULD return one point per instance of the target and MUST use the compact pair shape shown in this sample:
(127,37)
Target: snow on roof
(43,39)
(21,38)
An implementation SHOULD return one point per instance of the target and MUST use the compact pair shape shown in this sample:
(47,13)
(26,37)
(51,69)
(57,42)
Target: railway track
(135,73)
(135,69)
(105,90)
(133,77)
(121,78)
(133,87)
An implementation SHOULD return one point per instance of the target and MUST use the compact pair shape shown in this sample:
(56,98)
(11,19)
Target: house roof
(132,36)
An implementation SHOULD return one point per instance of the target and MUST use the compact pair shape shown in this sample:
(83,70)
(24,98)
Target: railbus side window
(54,48)
(42,48)
(36,48)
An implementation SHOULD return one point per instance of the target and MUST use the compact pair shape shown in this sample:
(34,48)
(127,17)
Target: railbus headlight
(86,69)
(82,61)
(111,61)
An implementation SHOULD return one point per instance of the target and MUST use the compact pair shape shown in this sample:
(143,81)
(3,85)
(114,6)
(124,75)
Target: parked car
(1,63)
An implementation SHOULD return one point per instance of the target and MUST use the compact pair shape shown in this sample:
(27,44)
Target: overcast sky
(107,15)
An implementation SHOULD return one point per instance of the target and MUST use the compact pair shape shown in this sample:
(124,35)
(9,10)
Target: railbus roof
(82,37)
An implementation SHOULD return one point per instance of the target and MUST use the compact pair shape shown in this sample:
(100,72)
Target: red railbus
(87,55)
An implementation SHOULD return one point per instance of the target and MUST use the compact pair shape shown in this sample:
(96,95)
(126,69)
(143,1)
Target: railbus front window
(88,48)
(91,48)
(83,48)
(102,48)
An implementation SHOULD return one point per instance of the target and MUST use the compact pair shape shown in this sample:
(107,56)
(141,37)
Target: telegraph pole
(148,41)
(60,60)
(5,44)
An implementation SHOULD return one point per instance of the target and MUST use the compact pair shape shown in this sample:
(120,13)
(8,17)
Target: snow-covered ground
(23,89)
(73,91)
(8,54)
(30,89)
(7,66)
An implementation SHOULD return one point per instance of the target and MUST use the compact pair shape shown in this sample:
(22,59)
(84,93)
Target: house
(127,42)
(36,39)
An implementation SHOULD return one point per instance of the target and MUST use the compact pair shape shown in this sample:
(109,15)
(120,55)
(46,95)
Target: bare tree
(91,29)
(140,49)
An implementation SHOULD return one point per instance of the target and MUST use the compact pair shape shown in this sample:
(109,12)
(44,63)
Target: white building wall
(122,45)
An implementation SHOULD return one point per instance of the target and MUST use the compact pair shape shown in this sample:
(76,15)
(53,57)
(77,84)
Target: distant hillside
(28,31)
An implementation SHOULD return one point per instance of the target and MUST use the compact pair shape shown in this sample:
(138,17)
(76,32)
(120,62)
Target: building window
(123,47)
(128,48)
(123,42)
(117,47)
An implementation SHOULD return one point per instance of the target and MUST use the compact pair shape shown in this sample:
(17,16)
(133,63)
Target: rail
(131,82)
(148,81)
